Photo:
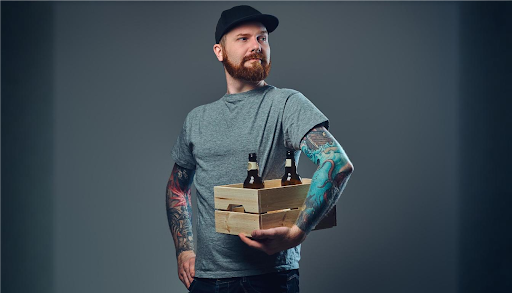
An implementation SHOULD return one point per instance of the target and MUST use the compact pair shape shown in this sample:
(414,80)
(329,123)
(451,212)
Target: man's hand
(274,240)
(186,267)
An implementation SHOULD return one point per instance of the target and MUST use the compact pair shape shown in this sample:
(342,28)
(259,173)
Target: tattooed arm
(327,183)
(329,180)
(179,215)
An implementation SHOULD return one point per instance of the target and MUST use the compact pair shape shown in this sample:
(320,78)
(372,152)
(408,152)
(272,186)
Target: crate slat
(285,218)
(283,197)
(235,222)
(226,196)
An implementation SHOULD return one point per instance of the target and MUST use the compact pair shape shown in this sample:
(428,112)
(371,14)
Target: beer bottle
(253,179)
(290,171)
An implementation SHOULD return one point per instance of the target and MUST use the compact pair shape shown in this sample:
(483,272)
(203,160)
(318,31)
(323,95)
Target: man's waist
(215,281)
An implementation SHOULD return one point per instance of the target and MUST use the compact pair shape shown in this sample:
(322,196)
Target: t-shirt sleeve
(299,117)
(182,150)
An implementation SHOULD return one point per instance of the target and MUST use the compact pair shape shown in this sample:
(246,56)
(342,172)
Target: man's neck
(236,86)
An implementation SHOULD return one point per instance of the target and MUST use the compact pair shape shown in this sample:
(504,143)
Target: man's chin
(251,66)
(252,73)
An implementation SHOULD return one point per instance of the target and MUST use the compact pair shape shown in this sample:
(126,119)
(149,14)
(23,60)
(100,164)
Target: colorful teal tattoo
(329,180)
(179,208)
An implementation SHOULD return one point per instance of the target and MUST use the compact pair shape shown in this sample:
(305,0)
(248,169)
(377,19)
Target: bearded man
(216,138)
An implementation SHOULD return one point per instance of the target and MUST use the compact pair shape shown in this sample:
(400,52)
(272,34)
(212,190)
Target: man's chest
(225,133)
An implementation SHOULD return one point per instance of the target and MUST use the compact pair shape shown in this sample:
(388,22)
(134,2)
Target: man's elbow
(343,162)
(347,167)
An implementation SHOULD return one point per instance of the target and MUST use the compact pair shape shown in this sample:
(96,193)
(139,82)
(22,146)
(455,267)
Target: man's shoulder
(282,95)
(283,92)
(201,109)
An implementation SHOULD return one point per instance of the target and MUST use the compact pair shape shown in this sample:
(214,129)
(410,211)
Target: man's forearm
(179,208)
(329,180)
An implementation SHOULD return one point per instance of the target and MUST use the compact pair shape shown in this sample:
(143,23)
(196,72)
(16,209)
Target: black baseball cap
(232,17)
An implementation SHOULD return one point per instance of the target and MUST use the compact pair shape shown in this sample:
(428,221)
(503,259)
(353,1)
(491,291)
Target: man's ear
(217,49)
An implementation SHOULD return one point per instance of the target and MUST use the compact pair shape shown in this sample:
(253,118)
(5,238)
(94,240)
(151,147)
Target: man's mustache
(255,56)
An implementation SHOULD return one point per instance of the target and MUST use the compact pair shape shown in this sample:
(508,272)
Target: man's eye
(242,38)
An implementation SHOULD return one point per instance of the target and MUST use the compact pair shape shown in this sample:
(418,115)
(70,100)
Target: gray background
(94,95)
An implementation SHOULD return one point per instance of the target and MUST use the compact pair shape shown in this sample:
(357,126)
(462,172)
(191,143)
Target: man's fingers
(251,243)
(184,279)
(193,267)
(264,234)
(186,268)
(190,277)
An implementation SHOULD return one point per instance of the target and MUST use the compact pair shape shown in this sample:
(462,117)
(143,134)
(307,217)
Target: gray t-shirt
(216,140)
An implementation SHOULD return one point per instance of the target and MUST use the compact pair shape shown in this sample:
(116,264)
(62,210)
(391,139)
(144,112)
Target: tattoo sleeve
(179,208)
(329,180)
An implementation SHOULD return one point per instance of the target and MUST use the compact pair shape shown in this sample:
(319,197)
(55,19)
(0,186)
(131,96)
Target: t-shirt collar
(244,95)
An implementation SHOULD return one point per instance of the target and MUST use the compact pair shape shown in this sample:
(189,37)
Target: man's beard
(256,72)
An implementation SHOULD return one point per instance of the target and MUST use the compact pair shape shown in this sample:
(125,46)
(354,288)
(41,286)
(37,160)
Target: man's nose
(255,45)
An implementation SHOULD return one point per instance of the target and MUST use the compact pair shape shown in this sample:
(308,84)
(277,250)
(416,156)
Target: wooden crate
(239,209)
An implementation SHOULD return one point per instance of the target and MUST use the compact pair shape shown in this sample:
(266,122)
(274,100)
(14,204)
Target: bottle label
(252,166)
(288,163)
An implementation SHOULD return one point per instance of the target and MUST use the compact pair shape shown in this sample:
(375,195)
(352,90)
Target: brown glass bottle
(290,171)
(253,179)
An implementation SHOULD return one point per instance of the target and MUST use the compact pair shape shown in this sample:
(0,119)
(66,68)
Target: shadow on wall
(485,262)
(27,147)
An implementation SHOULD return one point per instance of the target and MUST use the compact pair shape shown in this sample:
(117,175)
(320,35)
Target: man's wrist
(298,234)
(183,253)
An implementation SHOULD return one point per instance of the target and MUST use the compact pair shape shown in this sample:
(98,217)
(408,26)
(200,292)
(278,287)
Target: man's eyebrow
(247,34)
